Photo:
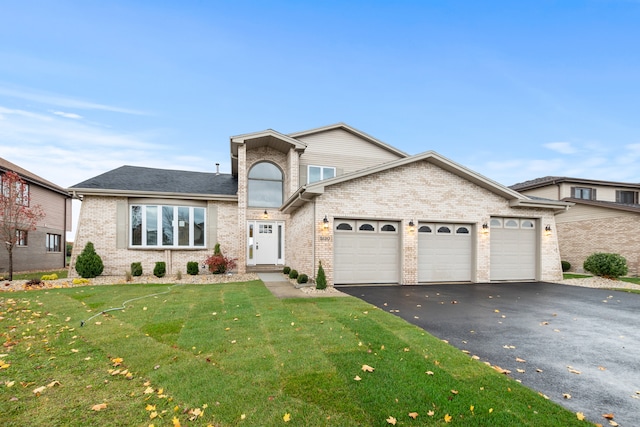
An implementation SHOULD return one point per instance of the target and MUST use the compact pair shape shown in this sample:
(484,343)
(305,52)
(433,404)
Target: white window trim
(322,168)
(159,244)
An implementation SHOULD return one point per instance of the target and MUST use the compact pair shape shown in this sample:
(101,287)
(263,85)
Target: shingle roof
(541,182)
(537,182)
(142,179)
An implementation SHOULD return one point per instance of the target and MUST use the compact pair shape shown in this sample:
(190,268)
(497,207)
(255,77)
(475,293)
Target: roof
(131,180)
(552,180)
(30,177)
(308,192)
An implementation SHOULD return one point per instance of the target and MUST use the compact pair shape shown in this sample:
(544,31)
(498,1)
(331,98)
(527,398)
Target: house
(605,217)
(369,212)
(44,248)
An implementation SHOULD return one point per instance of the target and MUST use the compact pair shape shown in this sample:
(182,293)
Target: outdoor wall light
(412,226)
(485,228)
(325,222)
(265,215)
(547,229)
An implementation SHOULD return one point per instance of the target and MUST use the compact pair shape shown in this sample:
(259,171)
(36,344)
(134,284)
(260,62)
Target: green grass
(574,276)
(243,358)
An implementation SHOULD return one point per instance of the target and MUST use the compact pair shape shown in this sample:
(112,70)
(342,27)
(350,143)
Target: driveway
(556,339)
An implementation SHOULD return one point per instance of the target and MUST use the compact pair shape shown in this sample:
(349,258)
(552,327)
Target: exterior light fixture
(547,229)
(485,228)
(265,215)
(411,226)
(325,222)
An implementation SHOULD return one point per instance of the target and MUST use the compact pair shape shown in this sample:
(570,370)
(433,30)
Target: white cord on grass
(122,307)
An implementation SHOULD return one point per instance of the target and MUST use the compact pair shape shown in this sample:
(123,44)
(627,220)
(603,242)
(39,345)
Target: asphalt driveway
(556,339)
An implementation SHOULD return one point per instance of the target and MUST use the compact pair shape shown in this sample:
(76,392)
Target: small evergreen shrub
(286,270)
(160,269)
(192,268)
(89,264)
(566,265)
(216,249)
(293,274)
(321,279)
(606,265)
(302,278)
(136,269)
(53,276)
(78,281)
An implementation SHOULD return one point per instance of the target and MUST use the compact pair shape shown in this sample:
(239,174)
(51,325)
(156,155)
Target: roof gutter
(79,193)
(550,204)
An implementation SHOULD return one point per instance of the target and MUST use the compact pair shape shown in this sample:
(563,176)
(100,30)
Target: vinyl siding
(581,212)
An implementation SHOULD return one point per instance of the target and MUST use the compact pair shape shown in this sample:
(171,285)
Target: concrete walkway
(281,288)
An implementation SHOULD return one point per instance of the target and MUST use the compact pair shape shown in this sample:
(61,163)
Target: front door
(265,242)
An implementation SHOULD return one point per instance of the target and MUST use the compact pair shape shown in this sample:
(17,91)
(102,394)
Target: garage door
(444,252)
(366,252)
(513,249)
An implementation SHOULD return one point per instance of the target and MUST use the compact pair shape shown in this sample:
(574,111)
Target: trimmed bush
(566,265)
(286,270)
(53,276)
(216,249)
(302,278)
(89,264)
(77,281)
(136,269)
(192,268)
(321,279)
(606,265)
(160,269)
(219,264)
(293,274)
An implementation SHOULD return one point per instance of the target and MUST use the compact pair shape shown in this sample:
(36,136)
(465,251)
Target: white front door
(265,242)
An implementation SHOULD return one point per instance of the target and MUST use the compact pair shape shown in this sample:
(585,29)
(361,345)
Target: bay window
(167,226)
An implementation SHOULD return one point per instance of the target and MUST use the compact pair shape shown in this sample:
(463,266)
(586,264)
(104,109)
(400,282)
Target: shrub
(78,281)
(220,264)
(293,274)
(192,268)
(321,279)
(286,270)
(136,269)
(160,269)
(606,265)
(89,264)
(216,249)
(302,278)
(53,276)
(566,265)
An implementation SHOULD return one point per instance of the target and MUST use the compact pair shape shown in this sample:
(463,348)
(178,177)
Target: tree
(17,215)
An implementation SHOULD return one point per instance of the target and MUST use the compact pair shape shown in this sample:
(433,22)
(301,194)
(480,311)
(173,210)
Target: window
(583,193)
(344,226)
(366,227)
(21,192)
(53,242)
(424,229)
(388,227)
(628,197)
(167,226)
(462,230)
(21,236)
(318,173)
(265,186)
(444,230)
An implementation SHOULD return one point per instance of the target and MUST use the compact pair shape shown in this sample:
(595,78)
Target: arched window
(265,186)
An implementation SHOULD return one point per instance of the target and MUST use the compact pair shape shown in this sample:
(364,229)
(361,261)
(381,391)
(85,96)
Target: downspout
(64,251)
(313,245)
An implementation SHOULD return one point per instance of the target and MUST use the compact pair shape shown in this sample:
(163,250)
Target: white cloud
(561,147)
(67,115)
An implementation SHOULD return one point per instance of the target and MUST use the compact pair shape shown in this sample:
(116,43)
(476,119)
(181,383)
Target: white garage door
(513,249)
(444,252)
(366,252)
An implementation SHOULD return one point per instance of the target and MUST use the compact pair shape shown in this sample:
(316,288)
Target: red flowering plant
(220,264)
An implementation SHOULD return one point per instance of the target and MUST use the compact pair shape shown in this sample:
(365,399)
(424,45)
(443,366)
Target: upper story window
(21,191)
(265,186)
(167,226)
(629,197)
(583,193)
(318,173)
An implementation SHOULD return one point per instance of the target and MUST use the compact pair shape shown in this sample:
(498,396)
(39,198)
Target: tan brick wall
(97,224)
(579,239)
(299,240)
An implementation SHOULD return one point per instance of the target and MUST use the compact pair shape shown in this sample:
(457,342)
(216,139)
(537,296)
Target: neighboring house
(368,211)
(45,247)
(605,218)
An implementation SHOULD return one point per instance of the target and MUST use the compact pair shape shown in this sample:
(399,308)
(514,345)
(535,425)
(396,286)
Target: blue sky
(514,90)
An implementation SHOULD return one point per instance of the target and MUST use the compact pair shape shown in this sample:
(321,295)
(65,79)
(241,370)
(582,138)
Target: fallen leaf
(39,390)
(391,420)
(431,413)
(150,408)
(447,418)
(357,378)
(367,368)
(490,410)
(613,423)
(73,350)
(573,371)
(429,372)
(176,422)
(580,416)
(454,391)
(520,360)
(608,416)
(521,371)
(99,407)
(566,396)
(496,311)
(286,417)
(413,415)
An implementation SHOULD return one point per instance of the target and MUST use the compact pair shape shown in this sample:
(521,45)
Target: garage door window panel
(344,226)
(445,229)
(462,230)
(425,229)
(367,227)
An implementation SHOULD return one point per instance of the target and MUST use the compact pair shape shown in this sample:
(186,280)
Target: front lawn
(233,355)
